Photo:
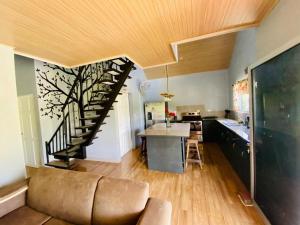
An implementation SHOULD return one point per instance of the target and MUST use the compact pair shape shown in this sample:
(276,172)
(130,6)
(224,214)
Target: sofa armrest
(12,197)
(157,212)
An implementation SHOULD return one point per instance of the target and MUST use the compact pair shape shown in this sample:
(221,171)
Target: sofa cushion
(54,221)
(63,194)
(159,209)
(24,216)
(119,202)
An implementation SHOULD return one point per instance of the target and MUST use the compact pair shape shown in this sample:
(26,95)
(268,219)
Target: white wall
(107,146)
(136,101)
(280,27)
(244,54)
(12,167)
(209,89)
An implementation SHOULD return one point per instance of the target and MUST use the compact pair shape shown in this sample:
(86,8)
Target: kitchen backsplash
(239,116)
(198,108)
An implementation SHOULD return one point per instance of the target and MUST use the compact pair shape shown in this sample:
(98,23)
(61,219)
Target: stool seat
(192,141)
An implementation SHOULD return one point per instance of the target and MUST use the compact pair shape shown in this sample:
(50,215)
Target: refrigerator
(276,136)
(155,112)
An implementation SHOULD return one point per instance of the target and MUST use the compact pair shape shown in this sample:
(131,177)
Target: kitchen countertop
(237,128)
(160,129)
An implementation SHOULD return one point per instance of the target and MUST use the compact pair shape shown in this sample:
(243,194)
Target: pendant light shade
(167,95)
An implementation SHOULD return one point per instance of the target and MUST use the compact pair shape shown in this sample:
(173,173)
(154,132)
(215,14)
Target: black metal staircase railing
(90,99)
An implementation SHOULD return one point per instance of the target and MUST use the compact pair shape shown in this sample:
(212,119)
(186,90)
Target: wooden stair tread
(90,118)
(61,164)
(107,81)
(112,71)
(77,142)
(91,110)
(97,102)
(101,92)
(81,135)
(119,61)
(66,153)
(85,126)
(70,150)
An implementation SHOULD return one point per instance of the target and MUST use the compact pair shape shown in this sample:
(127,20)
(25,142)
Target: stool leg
(202,154)
(187,155)
(198,153)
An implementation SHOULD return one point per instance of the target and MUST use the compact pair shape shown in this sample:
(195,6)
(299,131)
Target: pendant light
(167,95)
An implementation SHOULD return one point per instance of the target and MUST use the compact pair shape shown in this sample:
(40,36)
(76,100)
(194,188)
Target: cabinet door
(209,130)
(245,167)
(235,156)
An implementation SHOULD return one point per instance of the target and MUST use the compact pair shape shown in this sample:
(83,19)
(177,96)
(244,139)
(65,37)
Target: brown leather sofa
(61,197)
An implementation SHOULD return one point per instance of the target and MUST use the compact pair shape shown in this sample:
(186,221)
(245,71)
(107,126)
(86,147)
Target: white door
(124,124)
(30,130)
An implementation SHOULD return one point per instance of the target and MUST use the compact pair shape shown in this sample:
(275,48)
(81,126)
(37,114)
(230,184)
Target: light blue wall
(136,102)
(244,55)
(25,76)
(208,88)
(280,27)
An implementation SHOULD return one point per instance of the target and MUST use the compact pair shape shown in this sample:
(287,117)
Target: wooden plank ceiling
(73,32)
(199,56)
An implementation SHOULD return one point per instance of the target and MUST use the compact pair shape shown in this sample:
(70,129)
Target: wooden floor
(207,196)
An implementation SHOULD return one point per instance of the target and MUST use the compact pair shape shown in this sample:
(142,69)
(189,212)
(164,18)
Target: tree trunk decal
(55,84)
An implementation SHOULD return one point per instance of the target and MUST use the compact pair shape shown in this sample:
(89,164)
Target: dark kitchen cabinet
(237,152)
(209,130)
(243,161)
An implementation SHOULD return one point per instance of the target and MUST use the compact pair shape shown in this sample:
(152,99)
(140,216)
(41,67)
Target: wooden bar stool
(192,146)
(144,149)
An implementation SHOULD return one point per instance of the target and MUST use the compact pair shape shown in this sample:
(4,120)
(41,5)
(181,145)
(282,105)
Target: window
(241,96)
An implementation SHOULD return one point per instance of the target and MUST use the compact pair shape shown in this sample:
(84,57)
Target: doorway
(30,130)
(124,124)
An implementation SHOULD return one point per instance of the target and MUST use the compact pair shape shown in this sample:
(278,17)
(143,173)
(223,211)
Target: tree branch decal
(55,83)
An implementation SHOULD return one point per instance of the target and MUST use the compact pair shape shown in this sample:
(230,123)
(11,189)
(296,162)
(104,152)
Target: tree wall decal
(55,83)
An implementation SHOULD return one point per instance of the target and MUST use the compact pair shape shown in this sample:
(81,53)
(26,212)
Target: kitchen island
(165,146)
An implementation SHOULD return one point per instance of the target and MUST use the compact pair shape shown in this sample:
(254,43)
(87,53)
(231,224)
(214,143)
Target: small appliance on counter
(227,113)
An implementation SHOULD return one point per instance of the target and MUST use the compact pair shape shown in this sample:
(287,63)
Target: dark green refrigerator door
(276,111)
